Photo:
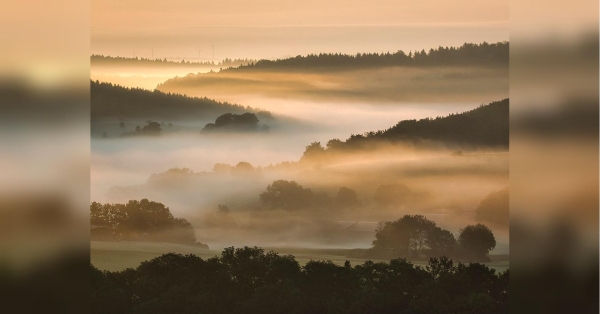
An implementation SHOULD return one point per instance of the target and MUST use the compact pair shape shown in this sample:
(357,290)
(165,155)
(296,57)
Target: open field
(115,256)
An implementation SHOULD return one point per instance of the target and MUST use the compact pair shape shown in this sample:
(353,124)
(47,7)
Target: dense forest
(248,280)
(101,60)
(110,101)
(468,54)
(485,126)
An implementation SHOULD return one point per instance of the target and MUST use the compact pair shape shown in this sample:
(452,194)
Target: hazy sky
(271,29)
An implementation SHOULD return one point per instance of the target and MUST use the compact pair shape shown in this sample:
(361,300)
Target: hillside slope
(108,100)
(487,125)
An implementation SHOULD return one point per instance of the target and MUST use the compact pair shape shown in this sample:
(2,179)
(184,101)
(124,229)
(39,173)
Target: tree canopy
(286,195)
(485,126)
(233,122)
(495,54)
(250,280)
(476,241)
(114,101)
(139,220)
(412,237)
(416,237)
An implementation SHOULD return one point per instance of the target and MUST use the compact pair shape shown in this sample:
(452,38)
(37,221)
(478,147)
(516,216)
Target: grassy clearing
(115,256)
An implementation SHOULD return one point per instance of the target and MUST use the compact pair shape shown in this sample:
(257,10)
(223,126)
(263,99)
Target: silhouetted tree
(441,242)
(476,241)
(408,236)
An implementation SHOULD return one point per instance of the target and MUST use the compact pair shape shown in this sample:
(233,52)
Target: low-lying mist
(196,173)
(374,85)
(389,182)
(118,160)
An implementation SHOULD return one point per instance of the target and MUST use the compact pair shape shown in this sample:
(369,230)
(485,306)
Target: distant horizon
(194,59)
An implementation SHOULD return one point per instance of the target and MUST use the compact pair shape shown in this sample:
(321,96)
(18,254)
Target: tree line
(291,196)
(139,221)
(101,60)
(414,237)
(248,280)
(113,101)
(487,125)
(469,54)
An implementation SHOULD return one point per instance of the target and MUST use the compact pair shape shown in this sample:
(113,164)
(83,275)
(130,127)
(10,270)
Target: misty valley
(305,168)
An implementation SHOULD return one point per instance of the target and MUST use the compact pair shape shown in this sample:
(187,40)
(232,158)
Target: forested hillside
(108,100)
(486,125)
(465,55)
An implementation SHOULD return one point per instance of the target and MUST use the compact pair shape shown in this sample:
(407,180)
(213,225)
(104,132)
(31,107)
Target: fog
(128,161)
(453,184)
(193,172)
(376,86)
(445,187)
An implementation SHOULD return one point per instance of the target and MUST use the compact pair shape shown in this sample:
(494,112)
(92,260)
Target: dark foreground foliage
(248,280)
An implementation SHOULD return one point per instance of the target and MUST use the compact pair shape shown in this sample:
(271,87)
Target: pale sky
(271,29)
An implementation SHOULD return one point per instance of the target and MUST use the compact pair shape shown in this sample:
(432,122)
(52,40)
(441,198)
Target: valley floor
(116,256)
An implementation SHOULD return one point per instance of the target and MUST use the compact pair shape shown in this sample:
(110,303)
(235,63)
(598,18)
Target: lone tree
(476,241)
(412,236)
(287,195)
